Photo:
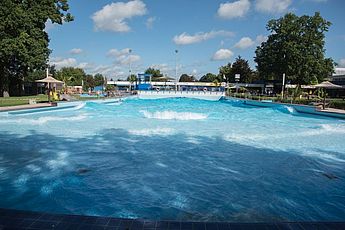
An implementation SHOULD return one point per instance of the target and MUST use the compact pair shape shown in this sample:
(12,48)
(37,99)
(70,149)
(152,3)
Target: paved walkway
(20,107)
(331,110)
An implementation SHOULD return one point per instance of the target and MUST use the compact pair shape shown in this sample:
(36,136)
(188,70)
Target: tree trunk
(4,83)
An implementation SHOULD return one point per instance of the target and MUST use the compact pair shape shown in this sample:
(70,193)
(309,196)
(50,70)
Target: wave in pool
(43,120)
(172,115)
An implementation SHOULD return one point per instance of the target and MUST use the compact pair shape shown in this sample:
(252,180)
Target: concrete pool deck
(28,106)
(308,109)
(16,219)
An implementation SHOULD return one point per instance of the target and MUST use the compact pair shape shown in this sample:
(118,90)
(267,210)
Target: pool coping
(19,219)
(307,109)
(28,106)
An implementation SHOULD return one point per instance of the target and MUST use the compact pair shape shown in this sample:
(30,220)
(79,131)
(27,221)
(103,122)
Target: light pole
(176,51)
(130,69)
(283,86)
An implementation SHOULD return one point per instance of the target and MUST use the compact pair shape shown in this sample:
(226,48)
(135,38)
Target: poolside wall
(299,108)
(203,95)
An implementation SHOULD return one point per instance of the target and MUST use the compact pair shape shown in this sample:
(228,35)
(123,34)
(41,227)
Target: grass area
(12,101)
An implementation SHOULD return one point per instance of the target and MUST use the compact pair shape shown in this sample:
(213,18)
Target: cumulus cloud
(85,65)
(186,39)
(113,17)
(76,51)
(272,6)
(222,54)
(149,22)
(235,9)
(260,39)
(124,56)
(342,62)
(49,25)
(244,43)
(62,62)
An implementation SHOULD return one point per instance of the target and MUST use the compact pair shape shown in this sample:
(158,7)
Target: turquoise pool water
(176,159)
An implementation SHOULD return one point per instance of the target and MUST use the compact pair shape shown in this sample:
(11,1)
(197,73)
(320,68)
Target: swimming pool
(176,159)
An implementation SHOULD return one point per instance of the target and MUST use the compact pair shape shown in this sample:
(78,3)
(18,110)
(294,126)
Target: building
(338,77)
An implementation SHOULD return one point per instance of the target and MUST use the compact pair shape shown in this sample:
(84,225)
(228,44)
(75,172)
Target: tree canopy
(23,41)
(295,47)
(209,77)
(156,74)
(187,78)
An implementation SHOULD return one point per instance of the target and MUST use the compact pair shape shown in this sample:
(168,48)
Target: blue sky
(109,37)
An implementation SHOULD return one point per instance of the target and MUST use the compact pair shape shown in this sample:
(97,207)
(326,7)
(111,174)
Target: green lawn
(11,101)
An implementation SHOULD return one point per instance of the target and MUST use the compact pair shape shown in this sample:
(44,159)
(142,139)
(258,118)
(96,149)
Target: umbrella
(327,85)
(49,80)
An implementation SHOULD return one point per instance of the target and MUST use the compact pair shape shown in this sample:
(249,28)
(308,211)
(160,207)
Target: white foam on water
(172,115)
(59,162)
(228,170)
(33,168)
(114,103)
(153,132)
(161,165)
(193,140)
(322,155)
(180,202)
(43,120)
(290,109)
(80,106)
(334,128)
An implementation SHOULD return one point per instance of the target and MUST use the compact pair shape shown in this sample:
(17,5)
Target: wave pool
(174,159)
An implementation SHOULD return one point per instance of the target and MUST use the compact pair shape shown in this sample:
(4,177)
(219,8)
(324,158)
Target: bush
(337,104)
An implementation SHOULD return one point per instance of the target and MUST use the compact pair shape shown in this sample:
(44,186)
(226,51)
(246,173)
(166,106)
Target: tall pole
(47,73)
(283,86)
(130,70)
(176,51)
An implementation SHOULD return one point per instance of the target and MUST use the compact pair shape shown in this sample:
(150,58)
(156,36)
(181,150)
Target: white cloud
(62,62)
(149,22)
(186,39)
(113,17)
(244,43)
(76,51)
(342,62)
(85,65)
(124,56)
(272,6)
(236,9)
(222,54)
(118,53)
(49,25)
(260,39)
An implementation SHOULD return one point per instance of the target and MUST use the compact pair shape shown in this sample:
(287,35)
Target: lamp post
(176,51)
(130,69)
(283,86)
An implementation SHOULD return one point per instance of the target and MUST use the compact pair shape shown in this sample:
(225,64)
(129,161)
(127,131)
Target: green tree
(225,71)
(71,76)
(156,74)
(209,77)
(89,82)
(187,78)
(241,66)
(132,78)
(99,79)
(23,41)
(295,47)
